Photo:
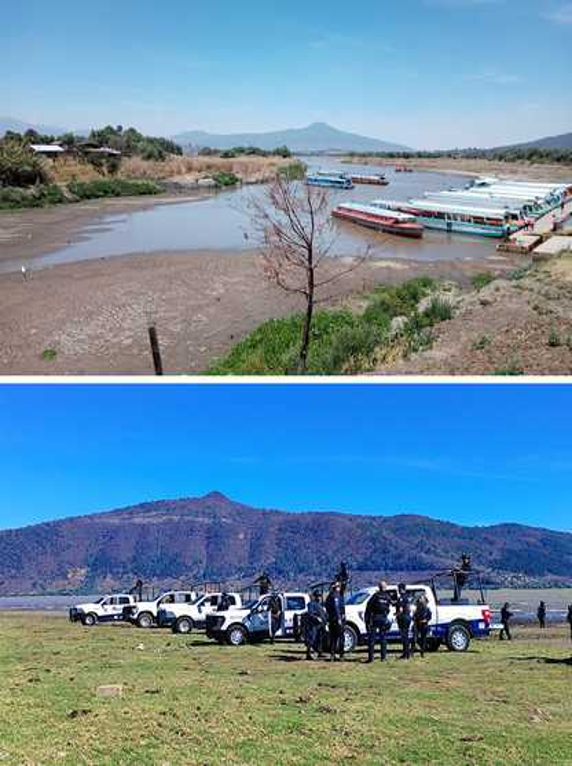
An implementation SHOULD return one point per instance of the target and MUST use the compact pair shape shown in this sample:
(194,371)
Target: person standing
(336,610)
(421,620)
(316,620)
(541,614)
(377,620)
(505,617)
(404,619)
(275,609)
(569,619)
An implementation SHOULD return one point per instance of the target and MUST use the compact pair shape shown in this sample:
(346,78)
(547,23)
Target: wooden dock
(535,237)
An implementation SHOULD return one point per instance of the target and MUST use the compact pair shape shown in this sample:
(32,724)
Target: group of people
(325,622)
(506,616)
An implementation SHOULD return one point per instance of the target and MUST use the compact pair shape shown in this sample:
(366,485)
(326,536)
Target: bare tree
(293,225)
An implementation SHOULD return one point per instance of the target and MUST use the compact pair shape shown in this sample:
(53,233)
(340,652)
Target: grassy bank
(392,321)
(186,700)
(76,191)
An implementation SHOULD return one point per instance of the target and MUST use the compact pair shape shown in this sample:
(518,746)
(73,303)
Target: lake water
(221,223)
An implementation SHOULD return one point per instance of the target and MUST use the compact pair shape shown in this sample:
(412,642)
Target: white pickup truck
(184,618)
(144,613)
(252,623)
(106,609)
(452,623)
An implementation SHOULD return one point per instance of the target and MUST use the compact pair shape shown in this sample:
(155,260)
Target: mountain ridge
(318,136)
(170,542)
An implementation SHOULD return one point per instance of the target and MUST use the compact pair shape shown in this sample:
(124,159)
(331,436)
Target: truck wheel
(458,638)
(350,639)
(183,625)
(145,620)
(236,635)
(89,619)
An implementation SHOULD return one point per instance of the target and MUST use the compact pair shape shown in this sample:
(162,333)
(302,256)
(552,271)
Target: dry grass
(249,169)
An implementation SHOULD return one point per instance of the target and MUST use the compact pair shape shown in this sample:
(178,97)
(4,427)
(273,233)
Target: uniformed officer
(404,619)
(336,610)
(315,621)
(541,614)
(421,621)
(378,621)
(505,617)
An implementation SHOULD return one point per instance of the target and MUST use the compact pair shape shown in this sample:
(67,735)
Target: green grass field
(187,700)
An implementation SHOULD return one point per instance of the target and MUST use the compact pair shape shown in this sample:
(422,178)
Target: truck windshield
(358,598)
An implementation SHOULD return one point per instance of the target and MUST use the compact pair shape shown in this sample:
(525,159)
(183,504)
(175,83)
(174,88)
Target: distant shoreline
(524,170)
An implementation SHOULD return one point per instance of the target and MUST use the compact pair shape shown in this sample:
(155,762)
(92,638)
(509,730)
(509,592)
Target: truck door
(294,605)
(258,621)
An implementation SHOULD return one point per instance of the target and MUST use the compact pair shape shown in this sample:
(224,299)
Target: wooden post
(156,351)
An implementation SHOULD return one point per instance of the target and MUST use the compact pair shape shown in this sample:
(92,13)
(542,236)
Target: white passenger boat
(466,219)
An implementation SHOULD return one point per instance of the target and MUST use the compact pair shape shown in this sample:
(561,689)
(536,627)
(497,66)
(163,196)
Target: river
(221,223)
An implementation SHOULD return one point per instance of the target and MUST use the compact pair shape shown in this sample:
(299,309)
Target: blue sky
(470,454)
(428,73)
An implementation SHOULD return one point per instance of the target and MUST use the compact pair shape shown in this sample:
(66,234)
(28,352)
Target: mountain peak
(216,496)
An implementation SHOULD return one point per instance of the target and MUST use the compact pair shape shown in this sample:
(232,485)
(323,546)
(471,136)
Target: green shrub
(223,179)
(41,196)
(112,187)
(19,166)
(482,280)
(554,339)
(483,342)
(295,171)
(341,341)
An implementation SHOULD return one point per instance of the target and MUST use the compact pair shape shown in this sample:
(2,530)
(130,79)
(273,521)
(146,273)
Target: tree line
(514,154)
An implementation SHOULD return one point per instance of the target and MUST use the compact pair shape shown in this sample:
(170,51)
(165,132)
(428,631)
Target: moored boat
(329,180)
(379,219)
(363,178)
(465,219)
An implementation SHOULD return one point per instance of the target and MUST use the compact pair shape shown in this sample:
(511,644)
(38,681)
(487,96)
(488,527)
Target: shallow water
(221,223)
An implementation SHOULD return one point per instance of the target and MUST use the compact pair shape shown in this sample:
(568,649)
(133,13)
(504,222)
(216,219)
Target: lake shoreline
(35,232)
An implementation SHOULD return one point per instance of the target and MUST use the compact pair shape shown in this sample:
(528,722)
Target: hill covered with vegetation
(215,538)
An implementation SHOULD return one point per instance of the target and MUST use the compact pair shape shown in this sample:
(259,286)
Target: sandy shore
(523,170)
(29,233)
(95,314)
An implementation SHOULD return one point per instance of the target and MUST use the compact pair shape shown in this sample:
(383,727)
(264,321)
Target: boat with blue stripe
(465,219)
(329,180)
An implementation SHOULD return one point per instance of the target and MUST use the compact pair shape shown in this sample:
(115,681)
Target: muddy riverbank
(92,317)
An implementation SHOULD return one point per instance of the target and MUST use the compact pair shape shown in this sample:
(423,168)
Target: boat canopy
(356,207)
(430,206)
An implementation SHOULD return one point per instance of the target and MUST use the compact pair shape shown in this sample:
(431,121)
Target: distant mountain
(9,123)
(183,541)
(563,141)
(318,137)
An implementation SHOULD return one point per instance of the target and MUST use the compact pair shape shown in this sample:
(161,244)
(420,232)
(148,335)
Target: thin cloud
(562,15)
(496,78)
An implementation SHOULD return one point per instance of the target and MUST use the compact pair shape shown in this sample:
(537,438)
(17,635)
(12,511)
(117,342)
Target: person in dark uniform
(541,614)
(404,619)
(343,577)
(264,583)
(569,619)
(275,610)
(224,603)
(505,617)
(336,610)
(421,621)
(461,576)
(378,621)
(315,621)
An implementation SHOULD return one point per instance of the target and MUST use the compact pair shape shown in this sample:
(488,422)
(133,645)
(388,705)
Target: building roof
(47,148)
